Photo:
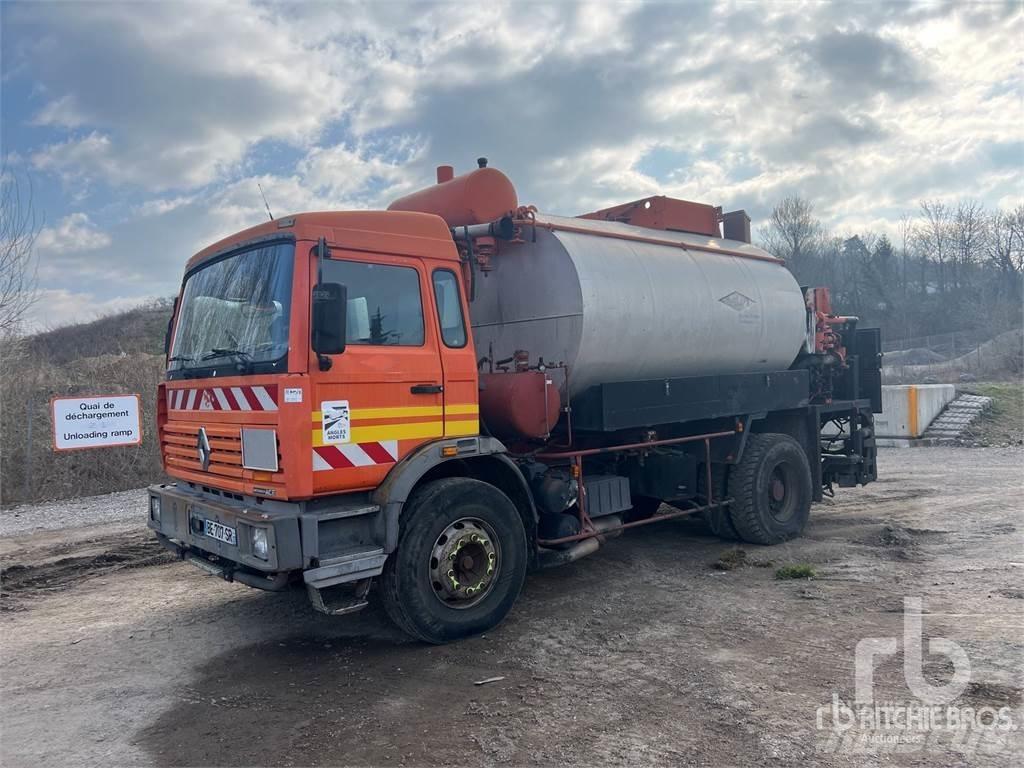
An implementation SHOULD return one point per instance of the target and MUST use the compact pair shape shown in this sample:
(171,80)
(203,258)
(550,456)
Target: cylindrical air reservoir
(478,197)
(616,306)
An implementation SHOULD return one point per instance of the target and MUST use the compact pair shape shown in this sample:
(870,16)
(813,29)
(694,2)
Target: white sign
(336,421)
(96,422)
(293,394)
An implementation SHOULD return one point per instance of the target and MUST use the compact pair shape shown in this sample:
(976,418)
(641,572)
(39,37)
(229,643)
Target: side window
(449,308)
(384,303)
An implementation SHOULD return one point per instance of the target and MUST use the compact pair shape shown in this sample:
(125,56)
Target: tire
(770,489)
(438,604)
(719,520)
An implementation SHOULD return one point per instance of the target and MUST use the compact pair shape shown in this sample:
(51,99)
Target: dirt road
(640,654)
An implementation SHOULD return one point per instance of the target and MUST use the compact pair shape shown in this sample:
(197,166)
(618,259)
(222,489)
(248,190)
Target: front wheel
(770,489)
(460,561)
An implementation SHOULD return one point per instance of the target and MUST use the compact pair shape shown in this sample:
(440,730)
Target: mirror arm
(321,254)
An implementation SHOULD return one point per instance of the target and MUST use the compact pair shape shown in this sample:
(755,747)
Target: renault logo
(203,449)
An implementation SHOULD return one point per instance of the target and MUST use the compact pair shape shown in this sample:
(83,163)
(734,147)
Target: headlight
(154,508)
(259,542)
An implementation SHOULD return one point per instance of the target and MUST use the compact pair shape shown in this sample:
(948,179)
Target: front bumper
(181,522)
(330,546)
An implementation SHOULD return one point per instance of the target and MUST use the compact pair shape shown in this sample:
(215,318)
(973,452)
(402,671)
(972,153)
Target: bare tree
(793,234)
(906,238)
(1005,242)
(18,230)
(968,237)
(934,238)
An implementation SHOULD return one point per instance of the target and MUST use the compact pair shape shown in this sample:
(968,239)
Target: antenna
(265,201)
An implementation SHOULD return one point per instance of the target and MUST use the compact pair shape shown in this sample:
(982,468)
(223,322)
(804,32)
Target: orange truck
(438,398)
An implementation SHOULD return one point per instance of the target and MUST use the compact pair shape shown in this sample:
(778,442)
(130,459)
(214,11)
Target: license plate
(220,532)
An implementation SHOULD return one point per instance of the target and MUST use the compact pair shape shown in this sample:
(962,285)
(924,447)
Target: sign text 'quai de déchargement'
(96,422)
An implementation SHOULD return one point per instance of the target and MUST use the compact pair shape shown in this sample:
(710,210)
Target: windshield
(234,314)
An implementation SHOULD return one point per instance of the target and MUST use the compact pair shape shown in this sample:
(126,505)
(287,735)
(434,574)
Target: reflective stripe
(222,400)
(352,455)
(240,398)
(319,464)
(265,400)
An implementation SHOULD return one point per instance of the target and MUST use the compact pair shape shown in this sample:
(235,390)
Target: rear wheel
(771,490)
(460,561)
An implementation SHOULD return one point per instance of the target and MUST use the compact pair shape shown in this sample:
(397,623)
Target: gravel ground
(641,654)
(72,513)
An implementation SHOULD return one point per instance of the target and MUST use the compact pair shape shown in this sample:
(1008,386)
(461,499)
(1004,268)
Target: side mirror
(330,304)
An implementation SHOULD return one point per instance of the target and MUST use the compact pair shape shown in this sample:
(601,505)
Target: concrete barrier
(908,409)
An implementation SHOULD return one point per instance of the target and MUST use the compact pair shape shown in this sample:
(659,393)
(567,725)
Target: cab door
(384,395)
(458,356)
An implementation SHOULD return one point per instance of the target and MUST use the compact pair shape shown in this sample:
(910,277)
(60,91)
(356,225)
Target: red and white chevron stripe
(354,455)
(244,398)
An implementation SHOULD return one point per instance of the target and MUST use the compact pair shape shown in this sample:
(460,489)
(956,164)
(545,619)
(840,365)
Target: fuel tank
(618,303)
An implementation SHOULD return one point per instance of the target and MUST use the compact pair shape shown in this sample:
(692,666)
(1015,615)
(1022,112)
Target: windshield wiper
(179,359)
(224,352)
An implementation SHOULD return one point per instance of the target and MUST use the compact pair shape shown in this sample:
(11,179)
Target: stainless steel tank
(623,309)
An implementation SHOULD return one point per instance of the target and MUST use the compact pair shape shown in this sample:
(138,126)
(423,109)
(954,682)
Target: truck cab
(256,425)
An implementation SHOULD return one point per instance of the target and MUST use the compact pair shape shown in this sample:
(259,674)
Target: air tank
(478,197)
(618,303)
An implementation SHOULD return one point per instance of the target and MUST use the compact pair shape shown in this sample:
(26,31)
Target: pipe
(445,173)
(605,528)
(587,535)
(503,229)
(552,557)
(634,446)
(609,526)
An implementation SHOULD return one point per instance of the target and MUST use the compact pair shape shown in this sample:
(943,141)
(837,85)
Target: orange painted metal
(399,232)
(386,415)
(519,404)
(660,212)
(826,339)
(477,197)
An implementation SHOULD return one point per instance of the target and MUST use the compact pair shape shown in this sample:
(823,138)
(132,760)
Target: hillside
(137,330)
(118,353)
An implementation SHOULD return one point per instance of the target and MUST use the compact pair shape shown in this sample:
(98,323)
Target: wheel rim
(781,492)
(464,563)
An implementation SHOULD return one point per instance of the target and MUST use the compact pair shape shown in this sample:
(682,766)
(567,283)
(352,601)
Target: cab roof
(361,230)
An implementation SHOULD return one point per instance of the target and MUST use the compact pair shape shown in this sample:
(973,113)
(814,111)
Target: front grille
(179,441)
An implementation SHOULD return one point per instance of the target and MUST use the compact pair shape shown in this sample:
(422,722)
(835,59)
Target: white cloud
(74,233)
(158,206)
(174,113)
(175,95)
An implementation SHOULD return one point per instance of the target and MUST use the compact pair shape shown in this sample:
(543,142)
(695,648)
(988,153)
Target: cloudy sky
(146,126)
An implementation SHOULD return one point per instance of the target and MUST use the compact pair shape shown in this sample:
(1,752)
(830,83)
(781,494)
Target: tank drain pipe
(604,528)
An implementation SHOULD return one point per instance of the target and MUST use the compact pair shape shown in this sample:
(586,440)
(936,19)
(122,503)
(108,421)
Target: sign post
(103,421)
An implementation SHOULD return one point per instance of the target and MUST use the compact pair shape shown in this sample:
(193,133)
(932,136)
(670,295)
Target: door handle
(426,389)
